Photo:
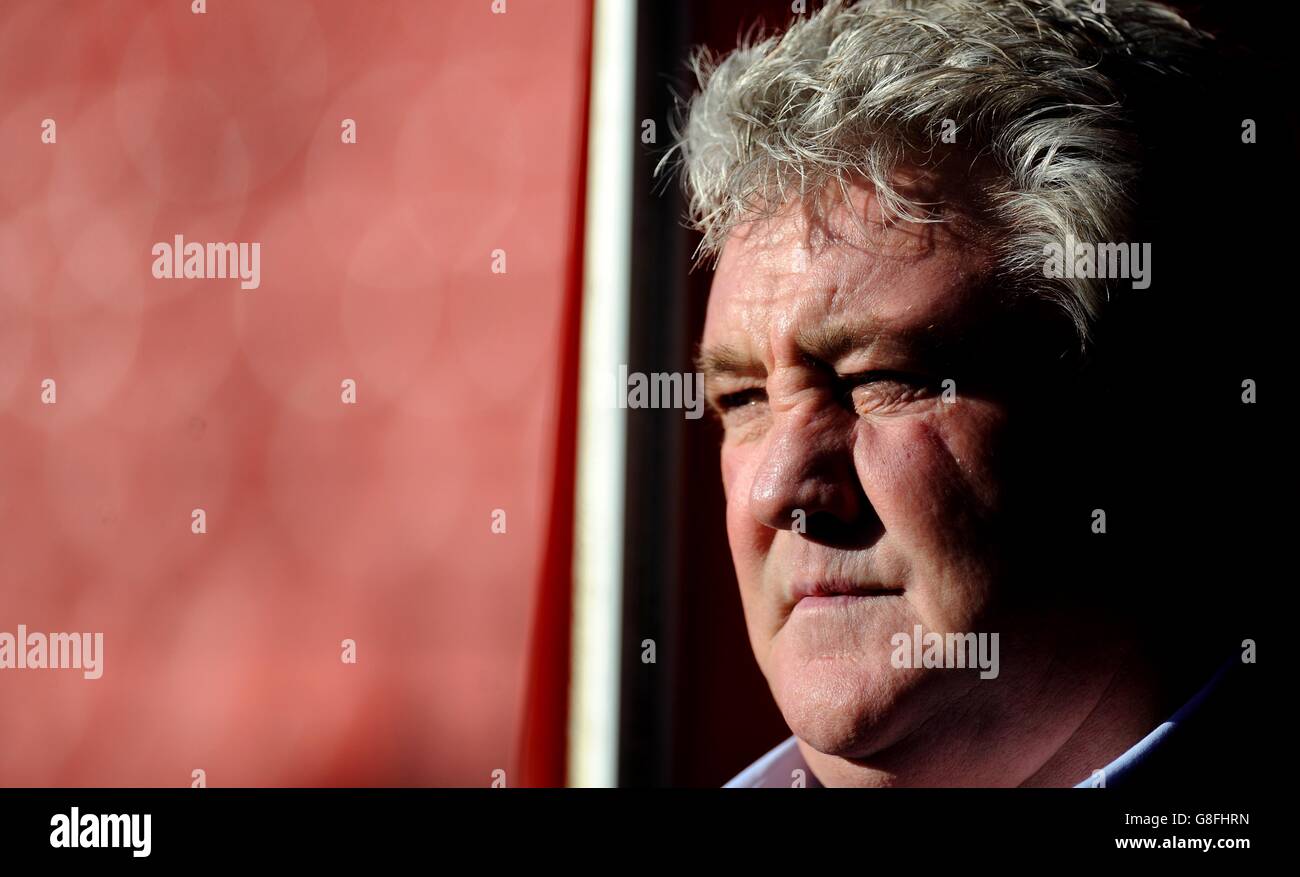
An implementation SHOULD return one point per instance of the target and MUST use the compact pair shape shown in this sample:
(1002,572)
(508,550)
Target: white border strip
(602,427)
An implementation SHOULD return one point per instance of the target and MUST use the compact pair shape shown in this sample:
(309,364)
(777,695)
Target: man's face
(860,502)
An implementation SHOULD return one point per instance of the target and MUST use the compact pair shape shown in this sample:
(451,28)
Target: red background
(325,521)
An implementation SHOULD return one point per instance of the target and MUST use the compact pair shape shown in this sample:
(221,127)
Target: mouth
(812,595)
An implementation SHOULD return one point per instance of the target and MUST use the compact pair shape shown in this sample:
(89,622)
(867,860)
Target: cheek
(742,528)
(750,543)
(749,540)
(931,480)
(731,463)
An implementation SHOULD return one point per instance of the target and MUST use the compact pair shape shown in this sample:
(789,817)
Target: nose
(807,479)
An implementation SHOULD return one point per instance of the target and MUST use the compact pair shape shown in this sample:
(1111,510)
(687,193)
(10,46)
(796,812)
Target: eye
(727,402)
(883,390)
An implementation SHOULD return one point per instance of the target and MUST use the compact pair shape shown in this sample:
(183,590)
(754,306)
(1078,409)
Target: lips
(839,591)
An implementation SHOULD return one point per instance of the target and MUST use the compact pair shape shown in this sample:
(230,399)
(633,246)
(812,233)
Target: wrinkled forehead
(843,263)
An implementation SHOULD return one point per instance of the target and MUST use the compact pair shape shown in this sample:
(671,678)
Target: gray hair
(1036,89)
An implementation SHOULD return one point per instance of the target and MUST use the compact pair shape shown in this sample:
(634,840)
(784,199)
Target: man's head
(899,383)
(859,502)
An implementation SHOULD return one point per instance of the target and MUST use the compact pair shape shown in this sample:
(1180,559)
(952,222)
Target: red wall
(325,521)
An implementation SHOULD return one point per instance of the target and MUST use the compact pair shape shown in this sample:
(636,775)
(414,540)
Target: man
(939,236)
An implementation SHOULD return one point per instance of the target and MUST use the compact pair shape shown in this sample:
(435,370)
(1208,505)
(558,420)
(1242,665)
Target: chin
(850,705)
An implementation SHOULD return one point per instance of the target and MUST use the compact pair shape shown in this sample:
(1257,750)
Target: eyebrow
(722,359)
(829,343)
(821,344)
